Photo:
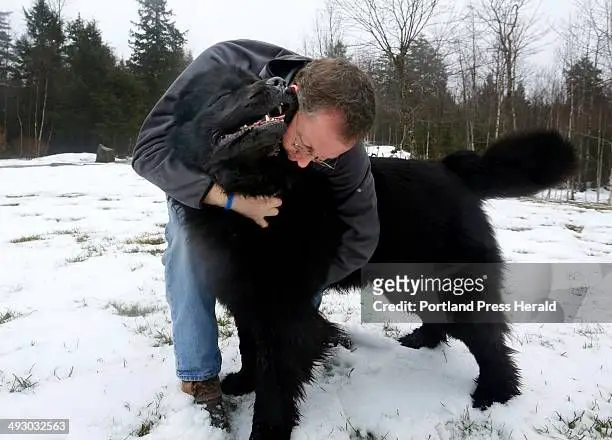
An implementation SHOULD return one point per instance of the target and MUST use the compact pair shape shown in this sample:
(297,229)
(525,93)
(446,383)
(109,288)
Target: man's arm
(353,187)
(152,157)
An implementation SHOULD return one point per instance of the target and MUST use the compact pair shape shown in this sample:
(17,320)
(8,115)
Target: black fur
(430,212)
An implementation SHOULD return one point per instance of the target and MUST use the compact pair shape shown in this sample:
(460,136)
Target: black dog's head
(230,124)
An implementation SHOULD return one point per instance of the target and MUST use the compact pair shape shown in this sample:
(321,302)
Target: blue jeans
(192,308)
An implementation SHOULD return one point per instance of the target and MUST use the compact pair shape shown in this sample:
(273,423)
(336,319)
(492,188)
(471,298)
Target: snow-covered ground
(387,151)
(85,332)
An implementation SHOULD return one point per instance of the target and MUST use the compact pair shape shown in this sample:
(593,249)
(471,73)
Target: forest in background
(442,85)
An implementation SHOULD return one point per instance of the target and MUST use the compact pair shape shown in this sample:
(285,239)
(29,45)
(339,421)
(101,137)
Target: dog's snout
(276,81)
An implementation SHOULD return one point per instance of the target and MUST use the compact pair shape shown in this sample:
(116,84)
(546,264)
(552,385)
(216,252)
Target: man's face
(315,137)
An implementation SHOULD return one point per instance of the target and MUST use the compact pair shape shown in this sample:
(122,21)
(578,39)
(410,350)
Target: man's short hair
(336,83)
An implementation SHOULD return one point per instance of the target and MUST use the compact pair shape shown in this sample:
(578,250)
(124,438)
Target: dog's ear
(291,103)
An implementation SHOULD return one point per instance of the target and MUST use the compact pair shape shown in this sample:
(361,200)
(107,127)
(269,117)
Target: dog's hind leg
(287,349)
(499,377)
(243,381)
(428,335)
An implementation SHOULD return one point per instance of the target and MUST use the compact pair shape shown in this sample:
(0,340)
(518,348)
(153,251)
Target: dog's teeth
(280,109)
(267,118)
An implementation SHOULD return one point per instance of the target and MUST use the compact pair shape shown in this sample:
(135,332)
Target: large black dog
(430,211)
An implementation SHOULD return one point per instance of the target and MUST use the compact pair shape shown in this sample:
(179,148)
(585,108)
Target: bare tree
(597,27)
(471,59)
(328,40)
(392,27)
(513,34)
(597,16)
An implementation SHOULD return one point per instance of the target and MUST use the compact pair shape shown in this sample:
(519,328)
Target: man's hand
(255,208)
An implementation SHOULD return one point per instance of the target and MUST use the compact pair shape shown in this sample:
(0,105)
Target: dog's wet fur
(430,212)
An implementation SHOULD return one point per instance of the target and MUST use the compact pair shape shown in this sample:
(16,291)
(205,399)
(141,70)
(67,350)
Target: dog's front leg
(243,381)
(278,386)
(289,343)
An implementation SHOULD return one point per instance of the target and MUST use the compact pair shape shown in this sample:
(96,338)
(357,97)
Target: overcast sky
(283,22)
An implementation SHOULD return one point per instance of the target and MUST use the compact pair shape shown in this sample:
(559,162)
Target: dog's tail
(516,165)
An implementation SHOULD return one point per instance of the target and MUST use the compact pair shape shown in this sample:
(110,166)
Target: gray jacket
(351,177)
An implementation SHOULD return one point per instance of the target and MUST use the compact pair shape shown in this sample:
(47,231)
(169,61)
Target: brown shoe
(208,394)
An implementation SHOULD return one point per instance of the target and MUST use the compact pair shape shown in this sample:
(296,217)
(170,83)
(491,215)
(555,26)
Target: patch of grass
(391,331)
(465,428)
(226,327)
(71,195)
(523,251)
(580,425)
(139,250)
(162,337)
(132,310)
(27,238)
(147,239)
(9,315)
(19,196)
(591,330)
(88,252)
(9,204)
(358,434)
(519,228)
(66,232)
(151,418)
(82,238)
(107,199)
(575,228)
(23,383)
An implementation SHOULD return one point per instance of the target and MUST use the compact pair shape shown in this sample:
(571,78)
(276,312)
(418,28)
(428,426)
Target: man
(336,110)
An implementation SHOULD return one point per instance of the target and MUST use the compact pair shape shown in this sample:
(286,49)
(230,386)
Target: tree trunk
(599,156)
(42,116)
(500,94)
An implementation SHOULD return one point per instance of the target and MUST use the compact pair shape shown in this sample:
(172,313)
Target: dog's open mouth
(266,120)
(259,123)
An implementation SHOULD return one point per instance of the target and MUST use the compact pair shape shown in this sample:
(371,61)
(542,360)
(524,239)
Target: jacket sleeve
(353,186)
(152,159)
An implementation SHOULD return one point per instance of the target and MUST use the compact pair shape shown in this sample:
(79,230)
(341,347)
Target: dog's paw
(237,384)
(421,339)
(262,431)
(489,392)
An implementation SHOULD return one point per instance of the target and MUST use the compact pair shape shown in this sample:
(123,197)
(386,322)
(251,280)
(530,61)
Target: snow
(81,242)
(52,159)
(386,151)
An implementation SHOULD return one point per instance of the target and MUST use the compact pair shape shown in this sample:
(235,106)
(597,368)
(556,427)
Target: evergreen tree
(584,81)
(39,67)
(336,49)
(158,53)
(5,64)
(5,46)
(89,65)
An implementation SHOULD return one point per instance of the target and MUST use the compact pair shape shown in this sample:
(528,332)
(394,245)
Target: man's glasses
(303,150)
